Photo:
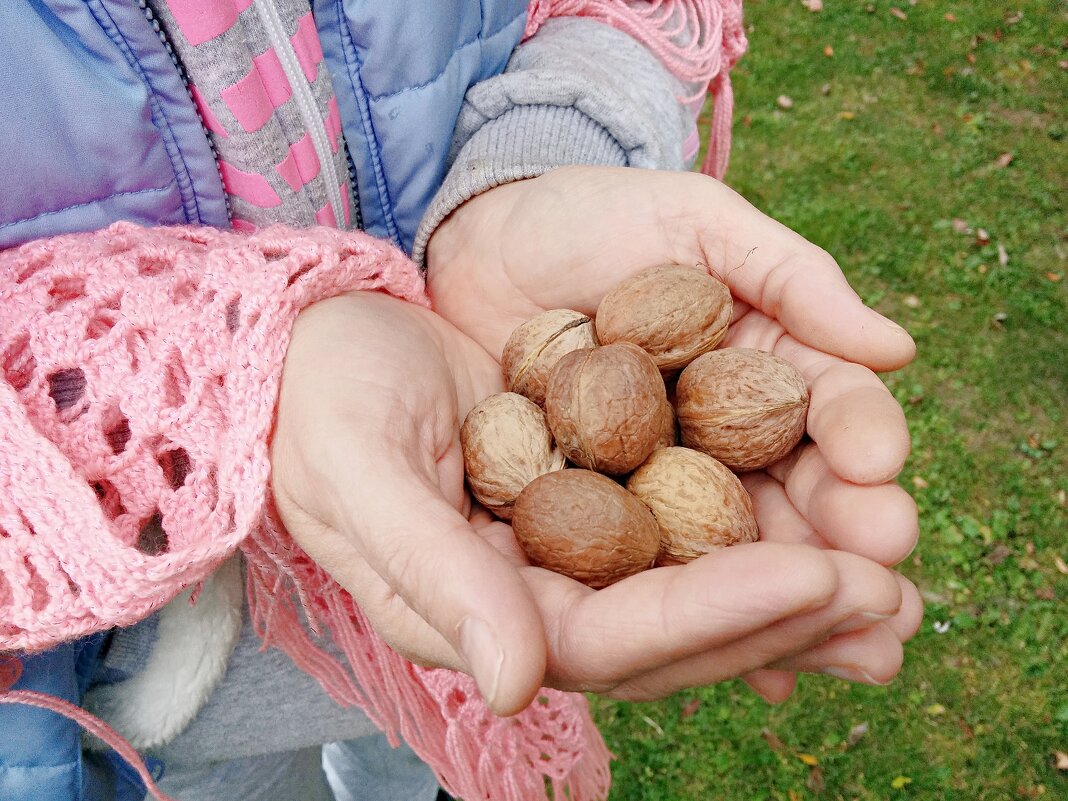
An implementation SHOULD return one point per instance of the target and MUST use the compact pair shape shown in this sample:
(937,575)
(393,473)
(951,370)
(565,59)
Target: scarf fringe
(550,750)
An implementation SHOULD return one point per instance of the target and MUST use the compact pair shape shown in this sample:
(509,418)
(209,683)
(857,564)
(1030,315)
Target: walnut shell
(746,408)
(506,444)
(605,407)
(537,345)
(585,526)
(669,434)
(673,312)
(699,505)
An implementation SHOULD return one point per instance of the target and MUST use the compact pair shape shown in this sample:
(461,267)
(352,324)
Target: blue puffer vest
(96,125)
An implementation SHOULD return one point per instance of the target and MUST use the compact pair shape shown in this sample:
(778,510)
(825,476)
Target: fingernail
(483,654)
(853,674)
(859,620)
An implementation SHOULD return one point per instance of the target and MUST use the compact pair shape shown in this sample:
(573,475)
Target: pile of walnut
(582,454)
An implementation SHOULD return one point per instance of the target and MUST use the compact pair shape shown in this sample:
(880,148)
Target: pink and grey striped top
(257,76)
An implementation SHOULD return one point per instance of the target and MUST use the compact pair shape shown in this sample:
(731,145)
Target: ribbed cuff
(524,142)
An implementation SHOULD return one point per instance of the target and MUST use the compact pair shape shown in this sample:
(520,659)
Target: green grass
(892,146)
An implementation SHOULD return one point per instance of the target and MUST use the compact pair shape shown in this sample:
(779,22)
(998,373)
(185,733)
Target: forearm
(578,92)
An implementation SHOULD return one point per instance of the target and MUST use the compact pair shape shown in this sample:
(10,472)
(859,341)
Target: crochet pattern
(139,370)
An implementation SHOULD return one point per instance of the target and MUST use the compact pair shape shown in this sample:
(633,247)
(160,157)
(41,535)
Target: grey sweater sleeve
(577,92)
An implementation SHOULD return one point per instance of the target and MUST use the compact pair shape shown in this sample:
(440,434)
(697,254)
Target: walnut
(506,444)
(673,312)
(746,408)
(537,345)
(669,434)
(605,407)
(699,505)
(584,525)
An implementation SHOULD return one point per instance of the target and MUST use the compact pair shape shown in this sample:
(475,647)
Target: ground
(924,147)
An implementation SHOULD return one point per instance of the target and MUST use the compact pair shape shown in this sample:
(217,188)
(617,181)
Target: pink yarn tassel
(439,713)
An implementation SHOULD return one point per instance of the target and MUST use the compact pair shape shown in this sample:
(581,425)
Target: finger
(869,656)
(853,417)
(791,280)
(909,618)
(879,522)
(858,424)
(430,555)
(774,686)
(777,519)
(599,639)
(866,594)
(873,651)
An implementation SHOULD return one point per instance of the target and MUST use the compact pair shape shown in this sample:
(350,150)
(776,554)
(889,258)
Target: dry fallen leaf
(1025,793)
(815,781)
(1061,760)
(951,17)
(1062,497)
(808,759)
(1003,255)
(1061,566)
(828,51)
(1046,594)
(690,709)
(897,12)
(855,734)
(982,237)
(912,301)
(1004,160)
(900,781)
(935,710)
(784,102)
(961,226)
(1000,553)
(774,742)
(813,5)
(825,89)
(919,482)
(846,115)
(1013,18)
(1054,277)
(653,725)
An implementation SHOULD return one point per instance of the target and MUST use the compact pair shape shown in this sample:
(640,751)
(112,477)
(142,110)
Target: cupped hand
(367,476)
(566,238)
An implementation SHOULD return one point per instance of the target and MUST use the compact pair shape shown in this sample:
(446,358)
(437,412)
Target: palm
(565,239)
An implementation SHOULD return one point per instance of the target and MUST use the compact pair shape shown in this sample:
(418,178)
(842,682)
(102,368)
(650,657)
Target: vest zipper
(150,15)
(272,23)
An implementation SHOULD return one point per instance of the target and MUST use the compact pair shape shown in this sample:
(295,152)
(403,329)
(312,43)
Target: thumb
(427,555)
(779,272)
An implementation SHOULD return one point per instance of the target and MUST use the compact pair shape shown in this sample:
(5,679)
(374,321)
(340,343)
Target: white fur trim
(194,643)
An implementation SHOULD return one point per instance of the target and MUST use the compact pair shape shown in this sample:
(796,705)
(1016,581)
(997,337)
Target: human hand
(367,476)
(564,239)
